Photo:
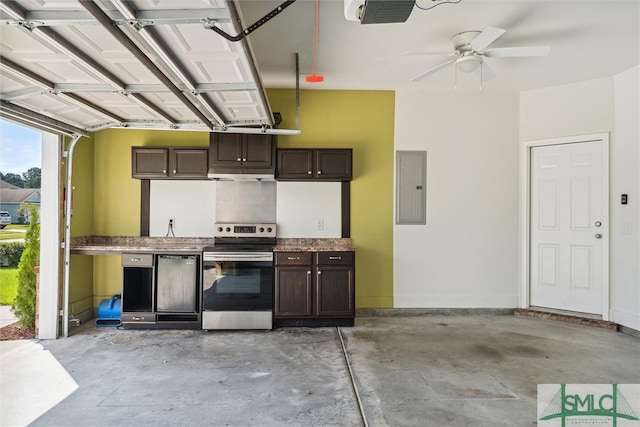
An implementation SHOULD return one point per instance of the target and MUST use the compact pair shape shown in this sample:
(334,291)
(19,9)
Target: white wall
(625,219)
(602,105)
(467,253)
(575,109)
(301,205)
(190,203)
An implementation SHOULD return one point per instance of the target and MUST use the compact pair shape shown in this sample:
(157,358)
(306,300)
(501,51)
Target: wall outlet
(319,224)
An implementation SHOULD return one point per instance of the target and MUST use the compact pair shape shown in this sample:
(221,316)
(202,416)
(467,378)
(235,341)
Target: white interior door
(568,233)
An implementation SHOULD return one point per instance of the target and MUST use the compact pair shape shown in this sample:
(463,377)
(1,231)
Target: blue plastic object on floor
(109,312)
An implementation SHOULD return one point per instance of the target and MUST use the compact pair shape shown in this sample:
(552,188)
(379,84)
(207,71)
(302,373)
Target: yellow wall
(81,271)
(362,120)
(116,201)
(117,195)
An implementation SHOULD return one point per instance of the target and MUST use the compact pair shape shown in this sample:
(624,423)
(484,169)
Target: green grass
(13,231)
(8,285)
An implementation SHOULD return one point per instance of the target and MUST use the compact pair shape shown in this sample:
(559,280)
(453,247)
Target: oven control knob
(220,229)
(228,229)
(269,230)
(262,229)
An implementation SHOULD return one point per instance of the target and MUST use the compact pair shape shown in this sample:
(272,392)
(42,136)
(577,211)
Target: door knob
(598,236)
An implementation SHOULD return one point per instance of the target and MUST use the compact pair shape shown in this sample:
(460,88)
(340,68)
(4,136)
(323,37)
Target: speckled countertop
(107,245)
(114,245)
(313,245)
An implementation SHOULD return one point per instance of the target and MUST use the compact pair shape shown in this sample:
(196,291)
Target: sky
(20,148)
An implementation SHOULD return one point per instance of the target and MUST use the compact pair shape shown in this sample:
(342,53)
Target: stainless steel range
(237,291)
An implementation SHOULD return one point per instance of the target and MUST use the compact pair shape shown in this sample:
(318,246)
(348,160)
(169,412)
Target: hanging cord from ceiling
(437,4)
(315,78)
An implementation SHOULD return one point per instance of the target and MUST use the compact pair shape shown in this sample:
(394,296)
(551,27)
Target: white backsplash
(300,209)
(190,203)
(309,209)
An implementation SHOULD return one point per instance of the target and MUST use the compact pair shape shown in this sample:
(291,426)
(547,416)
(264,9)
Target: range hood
(225,173)
(236,176)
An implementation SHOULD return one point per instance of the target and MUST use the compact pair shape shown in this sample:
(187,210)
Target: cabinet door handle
(136,259)
(308,272)
(244,160)
(164,171)
(174,171)
(239,159)
(308,172)
(319,172)
(319,272)
(293,257)
(335,257)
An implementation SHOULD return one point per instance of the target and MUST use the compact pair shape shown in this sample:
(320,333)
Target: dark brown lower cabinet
(314,288)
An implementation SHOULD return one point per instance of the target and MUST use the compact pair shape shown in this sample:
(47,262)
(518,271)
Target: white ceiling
(91,80)
(589,39)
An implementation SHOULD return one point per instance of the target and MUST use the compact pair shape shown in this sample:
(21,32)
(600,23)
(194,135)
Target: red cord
(316,39)
(316,33)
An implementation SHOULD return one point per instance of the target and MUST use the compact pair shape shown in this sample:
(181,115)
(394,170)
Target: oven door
(238,282)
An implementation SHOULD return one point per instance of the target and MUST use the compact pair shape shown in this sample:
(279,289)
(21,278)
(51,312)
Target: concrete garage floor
(408,371)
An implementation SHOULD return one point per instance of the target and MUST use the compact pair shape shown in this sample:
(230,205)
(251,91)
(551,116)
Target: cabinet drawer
(293,258)
(137,260)
(335,258)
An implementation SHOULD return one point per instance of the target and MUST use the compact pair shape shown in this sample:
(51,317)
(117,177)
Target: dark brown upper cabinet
(229,151)
(324,164)
(169,162)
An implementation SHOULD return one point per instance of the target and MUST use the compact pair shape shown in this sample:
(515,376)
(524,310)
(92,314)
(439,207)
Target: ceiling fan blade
(486,37)
(506,52)
(433,70)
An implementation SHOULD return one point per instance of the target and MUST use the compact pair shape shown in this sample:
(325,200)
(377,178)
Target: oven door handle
(239,257)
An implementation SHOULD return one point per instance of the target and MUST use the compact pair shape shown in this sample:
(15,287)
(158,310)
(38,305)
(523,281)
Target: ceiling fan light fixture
(470,63)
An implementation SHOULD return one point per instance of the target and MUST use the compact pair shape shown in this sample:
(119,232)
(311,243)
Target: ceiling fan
(471,48)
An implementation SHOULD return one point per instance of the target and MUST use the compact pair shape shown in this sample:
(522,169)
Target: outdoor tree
(24,306)
(32,178)
(12,178)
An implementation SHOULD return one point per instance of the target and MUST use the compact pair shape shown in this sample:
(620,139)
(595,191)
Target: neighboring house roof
(19,195)
(7,185)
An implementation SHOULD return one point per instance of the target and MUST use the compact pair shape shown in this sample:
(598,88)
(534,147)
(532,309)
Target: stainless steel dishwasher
(176,284)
